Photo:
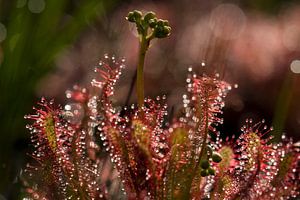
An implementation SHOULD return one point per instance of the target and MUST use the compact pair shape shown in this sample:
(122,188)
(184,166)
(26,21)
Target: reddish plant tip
(45,127)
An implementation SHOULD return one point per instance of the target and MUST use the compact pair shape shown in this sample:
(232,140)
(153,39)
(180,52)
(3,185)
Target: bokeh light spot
(3,32)
(227,21)
(2,197)
(36,6)
(295,66)
(21,3)
(290,37)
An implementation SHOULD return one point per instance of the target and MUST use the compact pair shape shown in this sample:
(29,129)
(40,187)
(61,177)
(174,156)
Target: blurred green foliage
(37,30)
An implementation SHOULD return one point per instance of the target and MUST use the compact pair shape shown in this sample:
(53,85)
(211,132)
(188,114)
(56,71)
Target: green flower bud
(162,31)
(152,22)
(160,22)
(167,30)
(137,15)
(204,164)
(149,16)
(211,171)
(158,32)
(204,173)
(130,17)
(166,23)
(216,157)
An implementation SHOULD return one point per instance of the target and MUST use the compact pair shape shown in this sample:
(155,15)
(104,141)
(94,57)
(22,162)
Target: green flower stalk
(148,28)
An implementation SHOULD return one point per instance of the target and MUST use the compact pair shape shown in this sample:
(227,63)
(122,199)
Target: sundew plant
(92,149)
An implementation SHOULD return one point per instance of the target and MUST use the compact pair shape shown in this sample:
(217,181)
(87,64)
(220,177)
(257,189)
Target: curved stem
(144,44)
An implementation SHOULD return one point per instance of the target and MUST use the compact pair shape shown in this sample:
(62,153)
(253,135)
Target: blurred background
(47,46)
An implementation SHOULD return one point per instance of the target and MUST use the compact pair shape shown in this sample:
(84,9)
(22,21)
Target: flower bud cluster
(159,28)
(206,169)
